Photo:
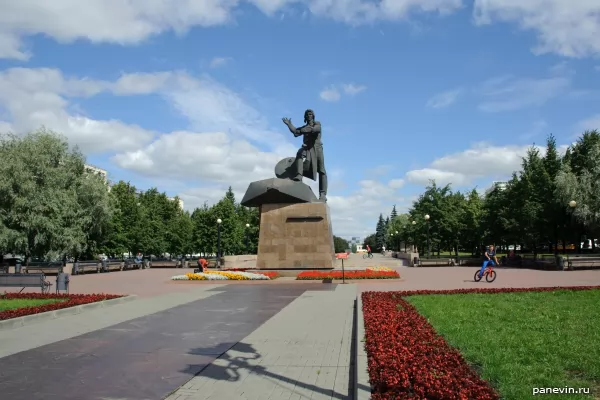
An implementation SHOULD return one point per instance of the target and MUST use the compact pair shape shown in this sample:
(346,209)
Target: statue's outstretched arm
(316,128)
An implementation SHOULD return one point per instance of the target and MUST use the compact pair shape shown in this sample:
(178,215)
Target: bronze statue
(310,160)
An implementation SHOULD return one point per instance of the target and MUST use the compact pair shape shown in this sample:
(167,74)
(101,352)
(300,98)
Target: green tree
(340,244)
(380,233)
(202,223)
(48,202)
(371,241)
(582,187)
(394,213)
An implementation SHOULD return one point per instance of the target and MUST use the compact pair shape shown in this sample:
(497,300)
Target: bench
(133,264)
(582,262)
(470,261)
(111,265)
(80,267)
(25,280)
(4,268)
(431,262)
(163,263)
(44,267)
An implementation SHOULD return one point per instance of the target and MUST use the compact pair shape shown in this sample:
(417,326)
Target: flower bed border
(76,304)
(348,275)
(371,368)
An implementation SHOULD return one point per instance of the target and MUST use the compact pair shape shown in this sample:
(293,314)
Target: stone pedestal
(295,236)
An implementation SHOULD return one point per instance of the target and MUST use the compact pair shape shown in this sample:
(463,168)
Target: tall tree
(394,213)
(380,234)
(48,203)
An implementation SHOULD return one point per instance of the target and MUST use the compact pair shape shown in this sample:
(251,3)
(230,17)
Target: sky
(187,96)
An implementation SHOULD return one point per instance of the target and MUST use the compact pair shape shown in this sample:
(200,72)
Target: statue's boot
(322,187)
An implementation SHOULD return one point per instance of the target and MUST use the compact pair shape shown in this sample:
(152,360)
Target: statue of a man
(309,159)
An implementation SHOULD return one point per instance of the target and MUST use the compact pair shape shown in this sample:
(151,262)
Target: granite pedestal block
(295,236)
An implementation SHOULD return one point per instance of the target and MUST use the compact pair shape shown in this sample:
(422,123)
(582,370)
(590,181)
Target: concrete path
(136,353)
(303,352)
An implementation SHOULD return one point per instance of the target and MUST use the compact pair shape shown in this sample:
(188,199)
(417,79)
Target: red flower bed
(71,300)
(407,359)
(368,274)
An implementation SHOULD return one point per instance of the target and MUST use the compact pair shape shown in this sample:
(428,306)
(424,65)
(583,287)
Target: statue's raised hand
(286,121)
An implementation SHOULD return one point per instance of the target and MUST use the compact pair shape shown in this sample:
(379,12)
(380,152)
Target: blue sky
(189,96)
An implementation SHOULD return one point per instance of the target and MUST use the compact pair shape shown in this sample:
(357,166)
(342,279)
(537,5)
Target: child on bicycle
(489,254)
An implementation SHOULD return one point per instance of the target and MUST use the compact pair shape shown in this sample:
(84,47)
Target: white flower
(180,278)
(254,277)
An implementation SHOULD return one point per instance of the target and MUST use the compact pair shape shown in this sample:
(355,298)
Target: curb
(50,315)
(362,387)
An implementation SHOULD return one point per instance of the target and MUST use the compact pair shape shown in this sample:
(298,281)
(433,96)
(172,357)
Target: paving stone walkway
(303,352)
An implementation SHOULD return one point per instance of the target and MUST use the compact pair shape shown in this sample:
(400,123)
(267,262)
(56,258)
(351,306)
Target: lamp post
(247,245)
(428,246)
(219,242)
(572,205)
(392,238)
(414,223)
(398,239)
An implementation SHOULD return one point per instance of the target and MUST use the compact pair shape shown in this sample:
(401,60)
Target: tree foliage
(531,210)
(340,244)
(49,204)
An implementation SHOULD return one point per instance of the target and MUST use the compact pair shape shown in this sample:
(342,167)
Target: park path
(140,350)
(303,352)
(283,339)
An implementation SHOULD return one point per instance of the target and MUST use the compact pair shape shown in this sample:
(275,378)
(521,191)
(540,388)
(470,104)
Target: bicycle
(367,255)
(488,272)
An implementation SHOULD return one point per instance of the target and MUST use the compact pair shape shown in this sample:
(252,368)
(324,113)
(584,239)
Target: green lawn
(520,341)
(11,304)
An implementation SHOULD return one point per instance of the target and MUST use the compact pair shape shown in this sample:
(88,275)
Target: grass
(521,341)
(12,304)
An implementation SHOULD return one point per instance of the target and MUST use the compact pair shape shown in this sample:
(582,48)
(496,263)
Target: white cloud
(444,99)
(126,22)
(218,62)
(506,93)
(425,175)
(228,141)
(562,27)
(352,89)
(396,183)
(482,160)
(333,93)
(567,28)
(357,213)
(36,97)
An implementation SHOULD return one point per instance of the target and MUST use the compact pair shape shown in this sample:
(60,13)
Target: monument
(295,225)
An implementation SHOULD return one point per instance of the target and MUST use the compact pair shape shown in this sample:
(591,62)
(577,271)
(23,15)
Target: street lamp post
(414,223)
(572,205)
(247,245)
(428,246)
(398,240)
(219,242)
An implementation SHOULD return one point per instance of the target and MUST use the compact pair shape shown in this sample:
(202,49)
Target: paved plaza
(282,339)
